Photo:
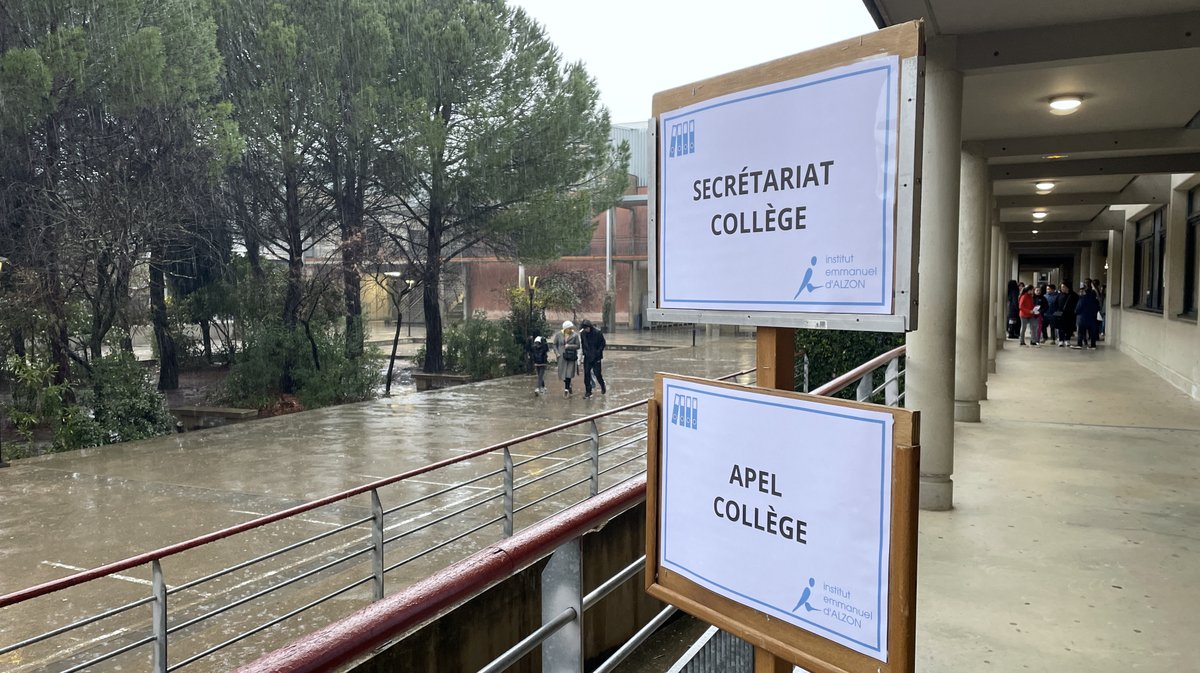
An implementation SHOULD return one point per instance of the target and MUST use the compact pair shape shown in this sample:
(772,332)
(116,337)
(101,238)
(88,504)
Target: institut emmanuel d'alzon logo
(684,411)
(683,139)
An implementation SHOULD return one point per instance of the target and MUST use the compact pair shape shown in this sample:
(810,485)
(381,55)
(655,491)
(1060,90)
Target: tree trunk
(352,229)
(295,278)
(433,326)
(18,341)
(387,387)
(206,335)
(168,360)
(52,288)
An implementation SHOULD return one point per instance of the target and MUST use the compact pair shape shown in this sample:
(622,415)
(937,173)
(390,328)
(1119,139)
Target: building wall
(1169,348)
(1164,342)
(489,279)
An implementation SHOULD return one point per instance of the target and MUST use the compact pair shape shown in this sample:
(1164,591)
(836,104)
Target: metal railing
(563,604)
(367,545)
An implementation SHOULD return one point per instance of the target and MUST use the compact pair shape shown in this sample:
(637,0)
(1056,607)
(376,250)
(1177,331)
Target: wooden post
(776,360)
(765,662)
(776,357)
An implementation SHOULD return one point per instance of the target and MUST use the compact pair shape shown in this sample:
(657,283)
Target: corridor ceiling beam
(1068,168)
(1025,47)
(1148,189)
(1144,140)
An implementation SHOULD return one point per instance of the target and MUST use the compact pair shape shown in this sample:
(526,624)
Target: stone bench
(426,381)
(196,417)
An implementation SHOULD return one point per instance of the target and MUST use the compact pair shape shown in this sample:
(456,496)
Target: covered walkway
(1073,538)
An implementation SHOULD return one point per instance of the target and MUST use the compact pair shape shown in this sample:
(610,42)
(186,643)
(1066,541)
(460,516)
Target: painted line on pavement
(312,521)
(127,578)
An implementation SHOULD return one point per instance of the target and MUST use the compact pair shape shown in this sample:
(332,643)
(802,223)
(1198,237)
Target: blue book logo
(683,139)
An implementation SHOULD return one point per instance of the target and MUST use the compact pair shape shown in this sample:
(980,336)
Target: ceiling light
(1044,186)
(1035,231)
(1065,105)
(1053,157)
(1040,215)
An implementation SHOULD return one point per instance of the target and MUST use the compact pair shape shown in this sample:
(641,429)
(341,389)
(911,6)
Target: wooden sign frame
(768,634)
(905,41)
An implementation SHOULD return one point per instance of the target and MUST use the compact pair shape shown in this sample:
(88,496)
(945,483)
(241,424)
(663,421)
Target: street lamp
(396,300)
(531,285)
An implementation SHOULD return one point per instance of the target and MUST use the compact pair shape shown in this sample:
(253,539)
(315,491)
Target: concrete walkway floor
(1072,545)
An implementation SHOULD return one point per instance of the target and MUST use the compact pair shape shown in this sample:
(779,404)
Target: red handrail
(845,380)
(375,625)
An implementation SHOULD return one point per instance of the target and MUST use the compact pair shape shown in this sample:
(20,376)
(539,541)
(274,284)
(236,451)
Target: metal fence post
(891,394)
(595,444)
(508,493)
(865,386)
(805,365)
(377,542)
(562,585)
(159,616)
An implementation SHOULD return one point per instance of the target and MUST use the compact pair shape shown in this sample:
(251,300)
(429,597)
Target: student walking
(566,349)
(593,352)
(540,352)
(1067,301)
(1025,306)
(1087,318)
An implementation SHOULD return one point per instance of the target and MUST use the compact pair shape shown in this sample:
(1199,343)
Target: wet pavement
(66,512)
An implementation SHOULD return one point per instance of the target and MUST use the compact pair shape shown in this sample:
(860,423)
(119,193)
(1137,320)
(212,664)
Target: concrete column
(1116,278)
(969,353)
(1083,268)
(610,219)
(1096,270)
(521,275)
(995,333)
(1003,275)
(985,293)
(930,361)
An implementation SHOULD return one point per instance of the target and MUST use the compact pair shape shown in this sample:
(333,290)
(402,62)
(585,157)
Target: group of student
(1046,312)
(569,347)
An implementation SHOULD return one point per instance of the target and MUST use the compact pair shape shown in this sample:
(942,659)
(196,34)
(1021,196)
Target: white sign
(781,505)
(782,198)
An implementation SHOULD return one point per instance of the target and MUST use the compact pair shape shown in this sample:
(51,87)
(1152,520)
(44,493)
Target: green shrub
(125,402)
(525,320)
(482,349)
(832,353)
(121,404)
(270,349)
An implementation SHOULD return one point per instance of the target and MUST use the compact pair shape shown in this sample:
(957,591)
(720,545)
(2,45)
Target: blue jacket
(1088,307)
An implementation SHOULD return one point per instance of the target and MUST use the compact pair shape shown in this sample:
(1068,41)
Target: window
(1190,252)
(1149,250)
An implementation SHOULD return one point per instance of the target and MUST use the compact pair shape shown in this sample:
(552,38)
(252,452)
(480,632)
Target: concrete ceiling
(1107,183)
(1124,93)
(1053,214)
(957,17)
(1134,63)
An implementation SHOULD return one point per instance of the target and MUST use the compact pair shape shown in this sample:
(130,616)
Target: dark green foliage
(125,405)
(832,353)
(118,403)
(526,319)
(313,352)
(481,349)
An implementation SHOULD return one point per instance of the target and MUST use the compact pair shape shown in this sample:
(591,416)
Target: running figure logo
(805,596)
(806,284)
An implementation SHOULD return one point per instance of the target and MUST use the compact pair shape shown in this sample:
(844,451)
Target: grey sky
(636,48)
